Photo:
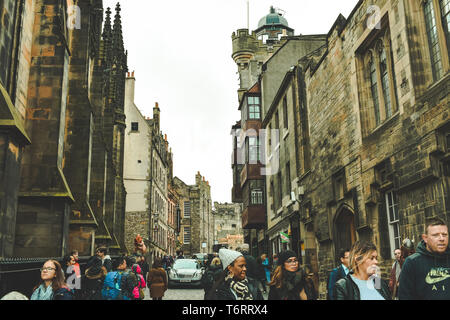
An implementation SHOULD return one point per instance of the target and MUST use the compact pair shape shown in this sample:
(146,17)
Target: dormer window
(254,107)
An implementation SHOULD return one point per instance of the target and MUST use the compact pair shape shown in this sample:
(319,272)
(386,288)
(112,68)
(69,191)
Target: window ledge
(381,127)
(436,87)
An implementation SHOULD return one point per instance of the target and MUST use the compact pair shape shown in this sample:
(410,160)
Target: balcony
(251,172)
(254,217)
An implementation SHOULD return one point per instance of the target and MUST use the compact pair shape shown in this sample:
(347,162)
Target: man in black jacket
(426,274)
(338,273)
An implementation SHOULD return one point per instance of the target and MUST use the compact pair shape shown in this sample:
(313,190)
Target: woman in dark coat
(157,280)
(288,282)
(233,283)
(362,282)
(92,280)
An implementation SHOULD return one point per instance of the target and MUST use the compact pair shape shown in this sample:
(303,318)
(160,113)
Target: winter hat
(228,256)
(284,255)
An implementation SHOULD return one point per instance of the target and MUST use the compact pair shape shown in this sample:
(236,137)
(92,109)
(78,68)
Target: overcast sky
(181,54)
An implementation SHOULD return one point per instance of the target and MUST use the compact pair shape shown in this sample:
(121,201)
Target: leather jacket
(346,289)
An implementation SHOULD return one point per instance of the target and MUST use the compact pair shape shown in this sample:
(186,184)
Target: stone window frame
(285,113)
(186,234)
(186,213)
(253,149)
(252,115)
(443,39)
(374,110)
(134,126)
(393,220)
(257,196)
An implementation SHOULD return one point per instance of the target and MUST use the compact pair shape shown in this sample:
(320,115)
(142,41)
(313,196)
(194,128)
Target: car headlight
(173,273)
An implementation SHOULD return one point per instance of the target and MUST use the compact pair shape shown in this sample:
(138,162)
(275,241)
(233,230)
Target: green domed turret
(272,18)
(272,27)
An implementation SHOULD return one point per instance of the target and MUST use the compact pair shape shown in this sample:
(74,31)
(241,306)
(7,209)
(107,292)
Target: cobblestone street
(183,294)
(179,294)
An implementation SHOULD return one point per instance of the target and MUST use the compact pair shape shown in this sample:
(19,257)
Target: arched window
(374,88)
(385,79)
(376,76)
(445,13)
(433,39)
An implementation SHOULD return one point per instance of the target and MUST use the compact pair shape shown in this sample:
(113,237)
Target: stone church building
(62,81)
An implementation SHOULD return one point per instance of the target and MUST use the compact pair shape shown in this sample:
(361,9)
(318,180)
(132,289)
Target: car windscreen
(185,264)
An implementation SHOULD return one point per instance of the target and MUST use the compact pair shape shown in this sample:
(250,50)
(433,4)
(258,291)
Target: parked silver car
(185,272)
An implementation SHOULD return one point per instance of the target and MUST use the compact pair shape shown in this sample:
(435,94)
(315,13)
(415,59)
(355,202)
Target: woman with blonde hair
(363,281)
(52,285)
(288,281)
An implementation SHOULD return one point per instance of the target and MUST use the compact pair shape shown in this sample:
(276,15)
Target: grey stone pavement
(183,294)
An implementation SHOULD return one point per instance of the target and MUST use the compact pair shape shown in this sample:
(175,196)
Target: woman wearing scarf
(288,282)
(234,284)
(52,285)
(92,280)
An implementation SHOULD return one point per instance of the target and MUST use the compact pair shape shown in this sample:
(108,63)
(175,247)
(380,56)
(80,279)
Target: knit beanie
(284,255)
(228,256)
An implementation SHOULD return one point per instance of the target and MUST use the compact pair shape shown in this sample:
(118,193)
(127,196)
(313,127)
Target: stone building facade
(148,165)
(263,60)
(370,115)
(196,218)
(387,128)
(228,224)
(63,91)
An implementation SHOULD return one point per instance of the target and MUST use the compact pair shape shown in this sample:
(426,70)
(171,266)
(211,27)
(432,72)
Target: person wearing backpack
(118,285)
(138,291)
(211,274)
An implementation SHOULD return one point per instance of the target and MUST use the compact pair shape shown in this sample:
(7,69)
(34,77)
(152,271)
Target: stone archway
(344,229)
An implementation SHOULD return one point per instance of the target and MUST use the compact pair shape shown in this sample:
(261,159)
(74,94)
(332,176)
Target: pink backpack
(138,291)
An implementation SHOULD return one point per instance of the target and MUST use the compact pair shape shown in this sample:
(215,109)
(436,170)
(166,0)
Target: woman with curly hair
(52,285)
(362,282)
(288,282)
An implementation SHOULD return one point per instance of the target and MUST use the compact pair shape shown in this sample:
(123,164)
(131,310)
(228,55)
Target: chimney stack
(130,83)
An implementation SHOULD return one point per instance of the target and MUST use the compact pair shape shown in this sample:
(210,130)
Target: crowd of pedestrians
(418,273)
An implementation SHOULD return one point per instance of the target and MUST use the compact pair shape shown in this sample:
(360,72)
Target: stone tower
(250,51)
